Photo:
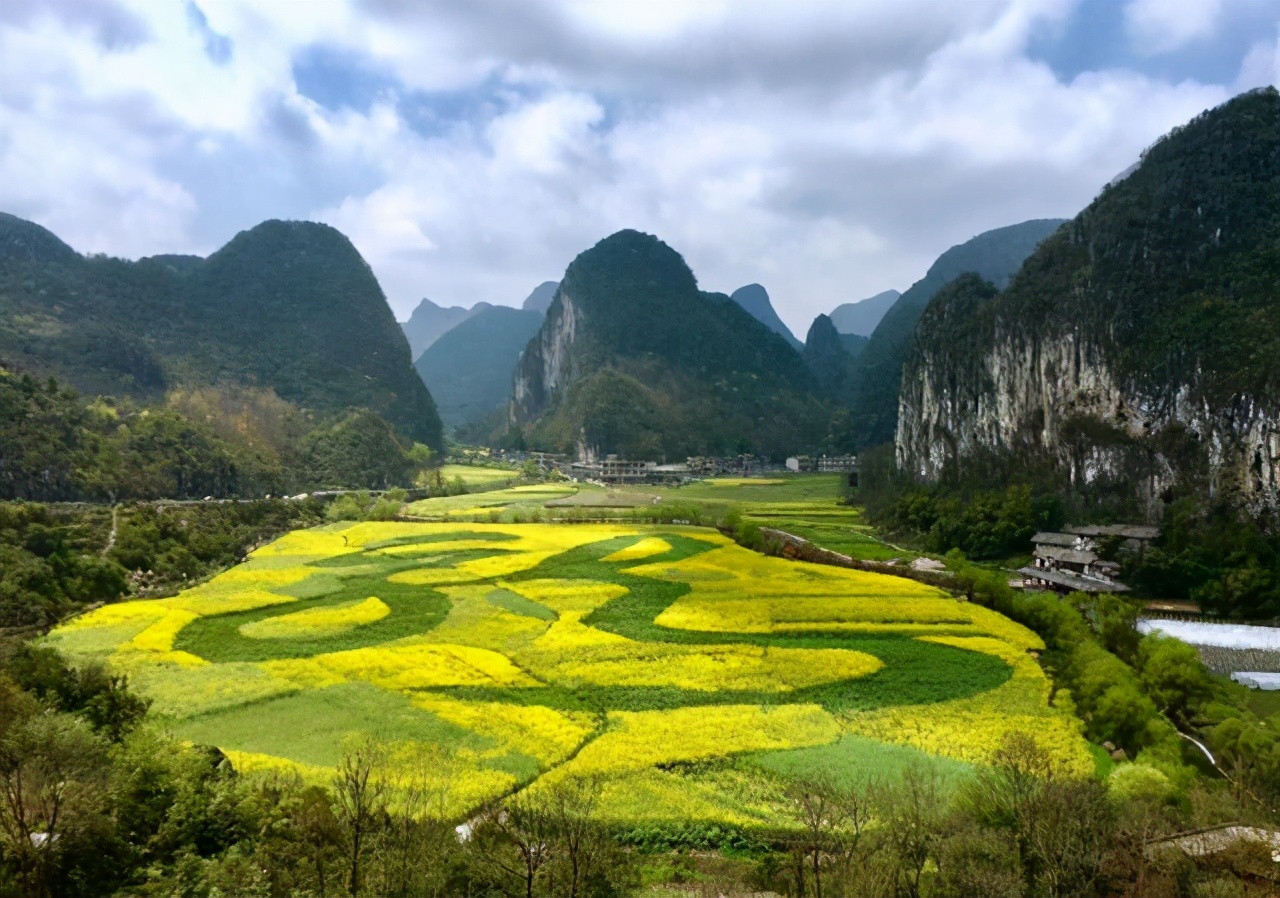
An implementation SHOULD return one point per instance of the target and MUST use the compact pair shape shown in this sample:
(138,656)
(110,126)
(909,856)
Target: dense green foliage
(286,306)
(468,369)
(826,357)
(1140,691)
(360,449)
(53,447)
(55,560)
(633,353)
(873,393)
(1211,553)
(1216,556)
(984,524)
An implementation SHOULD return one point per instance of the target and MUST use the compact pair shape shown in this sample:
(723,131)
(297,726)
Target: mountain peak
(26,241)
(861,317)
(755,300)
(540,299)
(633,358)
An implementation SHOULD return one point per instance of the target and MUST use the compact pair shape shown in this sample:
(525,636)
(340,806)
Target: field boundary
(797,548)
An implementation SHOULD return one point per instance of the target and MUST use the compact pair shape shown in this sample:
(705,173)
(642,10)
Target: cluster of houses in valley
(616,469)
(1068,561)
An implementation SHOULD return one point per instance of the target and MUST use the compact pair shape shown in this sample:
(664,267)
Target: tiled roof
(1072,581)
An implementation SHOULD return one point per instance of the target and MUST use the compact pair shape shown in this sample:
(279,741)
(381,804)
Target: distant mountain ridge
(861,317)
(877,372)
(540,299)
(428,322)
(286,305)
(755,299)
(632,358)
(469,369)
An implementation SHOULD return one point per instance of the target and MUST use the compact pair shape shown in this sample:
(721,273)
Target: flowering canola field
(682,671)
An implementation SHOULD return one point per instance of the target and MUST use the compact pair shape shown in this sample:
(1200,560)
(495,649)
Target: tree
(911,814)
(52,776)
(360,794)
(833,816)
(571,804)
(517,839)
(411,848)
(1173,676)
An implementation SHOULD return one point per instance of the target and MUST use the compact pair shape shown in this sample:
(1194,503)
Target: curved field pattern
(687,674)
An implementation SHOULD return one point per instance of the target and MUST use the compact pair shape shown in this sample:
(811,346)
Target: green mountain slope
(877,372)
(826,356)
(1138,345)
(289,306)
(26,241)
(633,358)
(468,370)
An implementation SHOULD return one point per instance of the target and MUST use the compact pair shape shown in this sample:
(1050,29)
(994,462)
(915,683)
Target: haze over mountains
(468,370)
(429,322)
(862,317)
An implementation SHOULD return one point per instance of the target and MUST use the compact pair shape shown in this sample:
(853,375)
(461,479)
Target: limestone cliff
(1137,348)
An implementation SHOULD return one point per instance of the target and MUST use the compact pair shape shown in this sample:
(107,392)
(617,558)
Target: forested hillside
(286,307)
(633,358)
(877,373)
(1137,347)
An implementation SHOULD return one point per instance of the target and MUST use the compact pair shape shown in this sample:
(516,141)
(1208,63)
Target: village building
(613,469)
(1068,561)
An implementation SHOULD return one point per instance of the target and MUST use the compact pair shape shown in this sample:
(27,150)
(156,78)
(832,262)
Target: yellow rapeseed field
(488,657)
(317,621)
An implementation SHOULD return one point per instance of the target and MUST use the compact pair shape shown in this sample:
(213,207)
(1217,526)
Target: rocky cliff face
(1136,348)
(1060,395)
(544,367)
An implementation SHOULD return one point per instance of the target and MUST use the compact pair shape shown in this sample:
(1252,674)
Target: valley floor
(691,677)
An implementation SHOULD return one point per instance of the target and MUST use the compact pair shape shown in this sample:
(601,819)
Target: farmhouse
(1068,561)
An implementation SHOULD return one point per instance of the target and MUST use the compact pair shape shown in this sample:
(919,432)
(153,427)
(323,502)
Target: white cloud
(828,151)
(1261,65)
(1161,26)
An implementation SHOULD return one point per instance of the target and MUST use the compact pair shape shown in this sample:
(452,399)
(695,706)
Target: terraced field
(691,676)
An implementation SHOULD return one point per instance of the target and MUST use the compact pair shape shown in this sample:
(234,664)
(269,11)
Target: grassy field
(692,676)
(806,505)
(476,476)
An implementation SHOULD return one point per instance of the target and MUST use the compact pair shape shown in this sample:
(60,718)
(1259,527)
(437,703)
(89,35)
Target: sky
(471,148)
